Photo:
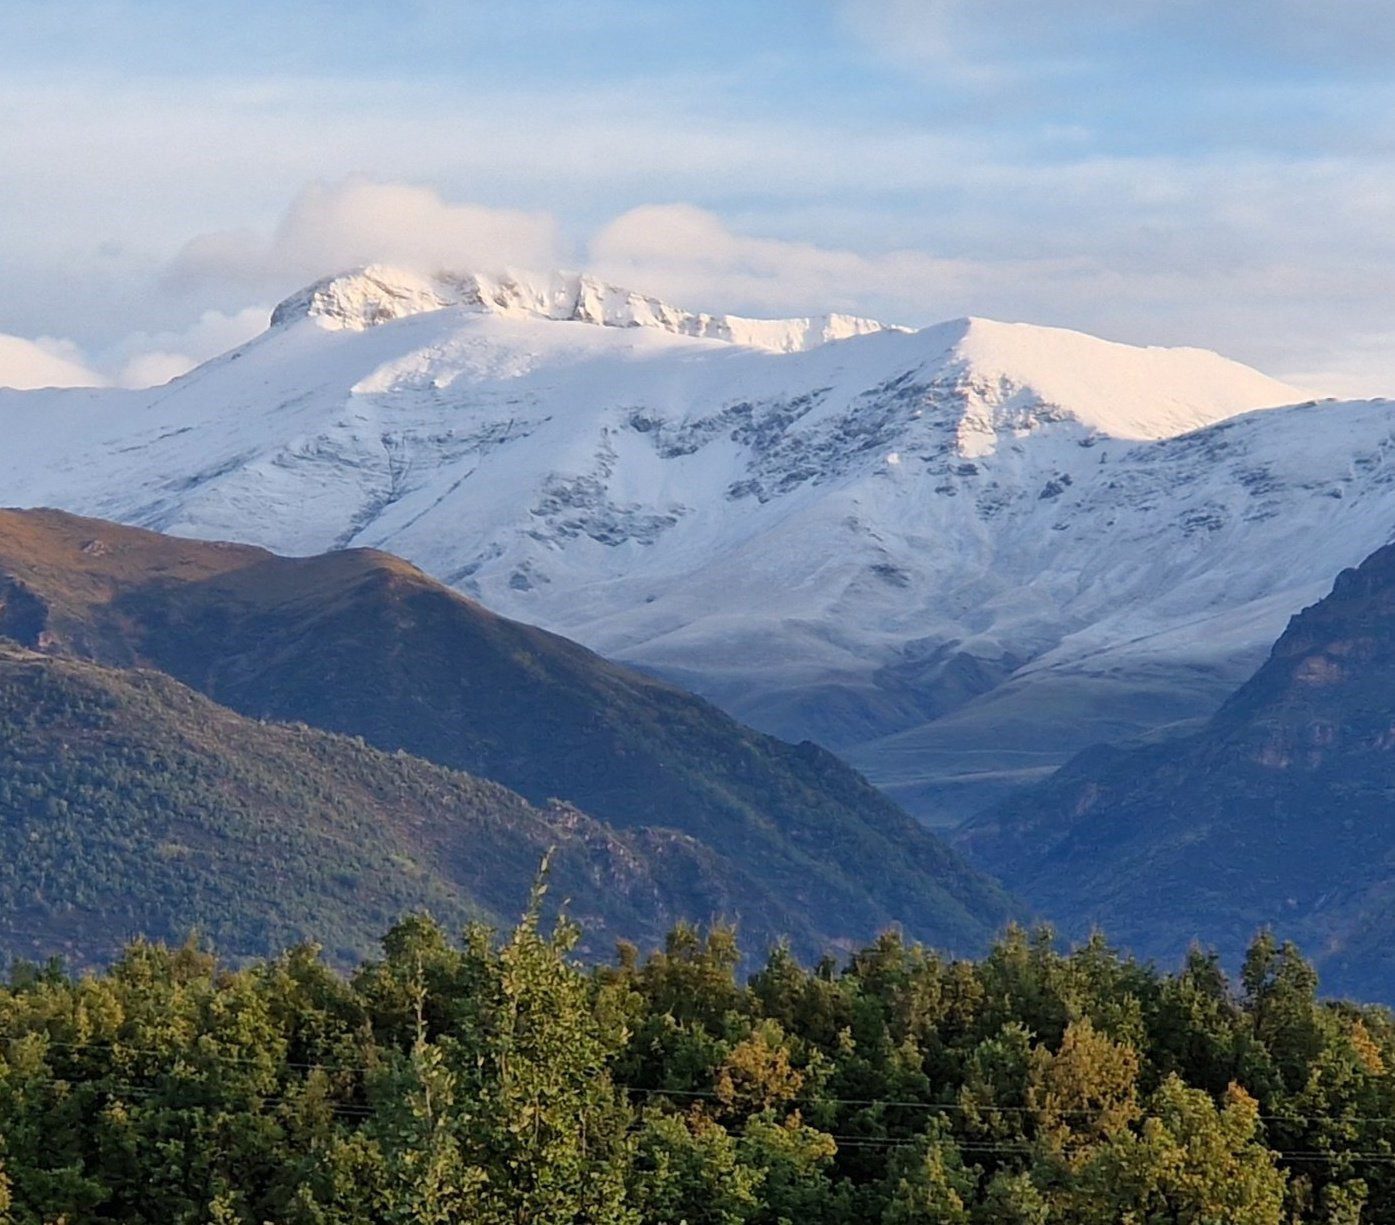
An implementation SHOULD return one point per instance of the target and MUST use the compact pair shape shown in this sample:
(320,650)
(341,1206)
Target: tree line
(493,1079)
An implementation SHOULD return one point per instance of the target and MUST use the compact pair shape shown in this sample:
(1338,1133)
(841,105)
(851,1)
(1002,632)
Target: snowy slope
(955,554)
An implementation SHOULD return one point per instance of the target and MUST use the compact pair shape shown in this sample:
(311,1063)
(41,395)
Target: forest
(492,1077)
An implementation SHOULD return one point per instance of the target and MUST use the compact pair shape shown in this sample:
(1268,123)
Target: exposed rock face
(23,615)
(1280,810)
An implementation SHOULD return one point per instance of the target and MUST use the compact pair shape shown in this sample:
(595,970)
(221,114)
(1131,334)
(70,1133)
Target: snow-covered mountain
(956,554)
(377,295)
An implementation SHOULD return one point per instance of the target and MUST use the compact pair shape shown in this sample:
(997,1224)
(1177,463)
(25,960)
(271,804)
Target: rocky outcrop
(377,294)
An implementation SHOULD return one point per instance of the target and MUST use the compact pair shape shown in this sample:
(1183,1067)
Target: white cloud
(691,256)
(331,227)
(154,369)
(145,360)
(142,359)
(44,362)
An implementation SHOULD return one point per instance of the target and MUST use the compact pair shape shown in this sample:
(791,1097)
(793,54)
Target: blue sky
(1163,171)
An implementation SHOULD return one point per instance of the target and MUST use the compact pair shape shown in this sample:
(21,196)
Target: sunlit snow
(956,554)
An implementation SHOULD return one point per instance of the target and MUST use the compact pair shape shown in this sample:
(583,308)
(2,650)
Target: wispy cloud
(44,362)
(145,359)
(692,256)
(1030,39)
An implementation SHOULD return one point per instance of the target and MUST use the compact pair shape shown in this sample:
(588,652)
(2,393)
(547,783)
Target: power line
(195,1056)
(970,1147)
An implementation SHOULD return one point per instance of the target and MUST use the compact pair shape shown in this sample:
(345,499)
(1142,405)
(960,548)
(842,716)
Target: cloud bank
(1151,292)
(44,362)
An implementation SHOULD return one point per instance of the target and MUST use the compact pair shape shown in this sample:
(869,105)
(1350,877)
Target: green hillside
(132,805)
(783,838)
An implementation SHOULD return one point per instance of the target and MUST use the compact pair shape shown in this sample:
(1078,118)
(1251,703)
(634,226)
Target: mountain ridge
(377,294)
(905,546)
(360,643)
(1274,812)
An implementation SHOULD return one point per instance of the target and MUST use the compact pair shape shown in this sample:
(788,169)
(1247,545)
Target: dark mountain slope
(130,804)
(362,643)
(1280,810)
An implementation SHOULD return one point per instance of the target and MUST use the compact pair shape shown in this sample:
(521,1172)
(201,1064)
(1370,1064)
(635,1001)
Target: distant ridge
(1276,811)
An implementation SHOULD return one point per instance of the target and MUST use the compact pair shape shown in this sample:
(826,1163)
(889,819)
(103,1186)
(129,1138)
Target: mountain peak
(1012,374)
(1016,373)
(377,294)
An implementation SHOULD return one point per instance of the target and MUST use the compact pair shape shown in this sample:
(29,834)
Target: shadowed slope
(362,643)
(131,805)
(1279,810)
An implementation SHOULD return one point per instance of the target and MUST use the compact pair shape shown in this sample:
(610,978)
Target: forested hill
(488,1083)
(716,818)
(130,805)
